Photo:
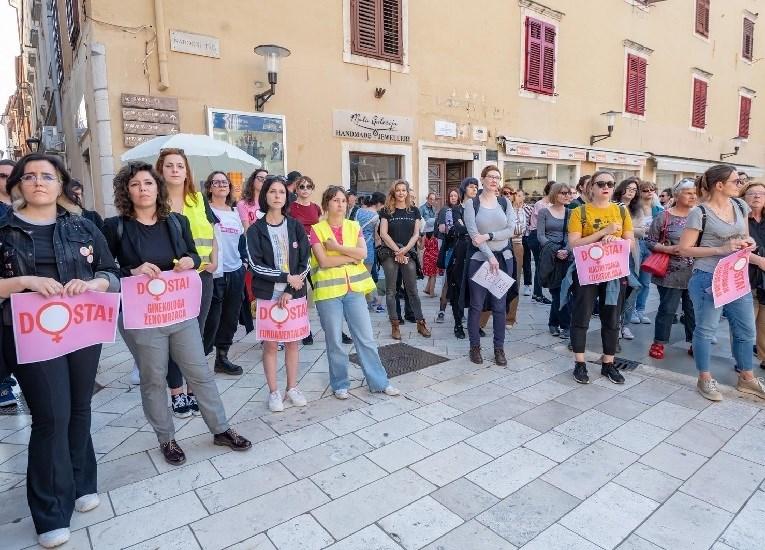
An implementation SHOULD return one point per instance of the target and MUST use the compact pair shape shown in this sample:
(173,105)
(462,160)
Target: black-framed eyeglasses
(603,184)
(220,183)
(566,193)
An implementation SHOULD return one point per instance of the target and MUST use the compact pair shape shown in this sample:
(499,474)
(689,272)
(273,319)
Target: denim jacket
(70,235)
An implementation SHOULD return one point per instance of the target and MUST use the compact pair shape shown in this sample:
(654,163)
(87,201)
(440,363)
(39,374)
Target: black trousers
(581,312)
(62,463)
(223,317)
(536,251)
(526,262)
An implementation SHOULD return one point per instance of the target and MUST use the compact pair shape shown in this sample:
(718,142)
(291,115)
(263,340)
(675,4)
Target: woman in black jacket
(46,249)
(455,269)
(278,254)
(147,238)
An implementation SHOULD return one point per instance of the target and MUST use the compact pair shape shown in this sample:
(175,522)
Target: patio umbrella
(205,154)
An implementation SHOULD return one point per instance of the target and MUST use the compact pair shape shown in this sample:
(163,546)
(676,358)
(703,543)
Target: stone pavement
(468,458)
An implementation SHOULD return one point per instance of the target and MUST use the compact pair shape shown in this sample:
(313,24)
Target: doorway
(445,175)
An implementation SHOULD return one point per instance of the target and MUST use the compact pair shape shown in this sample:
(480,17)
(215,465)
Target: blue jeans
(740,314)
(353,307)
(644,277)
(480,296)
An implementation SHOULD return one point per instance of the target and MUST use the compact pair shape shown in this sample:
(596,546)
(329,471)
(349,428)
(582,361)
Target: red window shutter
(747,49)
(699,112)
(745,111)
(548,59)
(533,73)
(636,85)
(365,23)
(702,17)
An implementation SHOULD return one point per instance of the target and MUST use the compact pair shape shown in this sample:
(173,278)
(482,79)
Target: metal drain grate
(400,359)
(622,364)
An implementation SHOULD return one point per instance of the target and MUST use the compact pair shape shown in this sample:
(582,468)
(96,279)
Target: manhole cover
(622,364)
(400,359)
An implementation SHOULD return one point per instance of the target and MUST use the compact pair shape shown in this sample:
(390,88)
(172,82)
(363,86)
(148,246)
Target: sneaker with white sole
(627,334)
(51,539)
(135,375)
(644,319)
(634,318)
(180,406)
(440,317)
(527,290)
(7,399)
(342,394)
(708,388)
(755,386)
(296,397)
(390,390)
(275,403)
(87,502)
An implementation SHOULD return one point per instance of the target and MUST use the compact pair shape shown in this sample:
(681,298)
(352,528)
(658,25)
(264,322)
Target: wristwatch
(491,236)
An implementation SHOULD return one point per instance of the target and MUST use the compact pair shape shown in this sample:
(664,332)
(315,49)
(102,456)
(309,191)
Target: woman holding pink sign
(147,239)
(48,250)
(715,230)
(278,254)
(598,220)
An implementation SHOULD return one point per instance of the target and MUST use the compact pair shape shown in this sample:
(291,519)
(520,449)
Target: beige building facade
(429,91)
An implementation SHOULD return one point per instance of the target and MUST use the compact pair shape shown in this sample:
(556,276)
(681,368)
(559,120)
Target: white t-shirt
(228,232)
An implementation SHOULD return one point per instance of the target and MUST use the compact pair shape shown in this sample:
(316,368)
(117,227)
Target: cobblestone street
(468,458)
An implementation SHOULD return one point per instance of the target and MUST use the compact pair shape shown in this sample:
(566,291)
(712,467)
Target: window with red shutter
(376,29)
(634,101)
(747,48)
(702,17)
(539,72)
(699,107)
(744,114)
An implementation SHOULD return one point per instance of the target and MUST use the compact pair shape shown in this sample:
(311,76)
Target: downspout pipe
(159,21)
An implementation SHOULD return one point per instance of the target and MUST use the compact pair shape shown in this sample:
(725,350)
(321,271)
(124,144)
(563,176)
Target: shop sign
(544,151)
(372,126)
(480,133)
(149,102)
(194,44)
(615,158)
(150,115)
(445,128)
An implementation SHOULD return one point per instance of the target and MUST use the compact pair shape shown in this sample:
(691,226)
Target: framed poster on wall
(264,136)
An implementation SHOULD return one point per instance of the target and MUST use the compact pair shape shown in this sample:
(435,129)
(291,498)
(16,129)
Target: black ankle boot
(224,365)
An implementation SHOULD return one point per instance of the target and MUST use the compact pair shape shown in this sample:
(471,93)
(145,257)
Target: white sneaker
(135,375)
(527,290)
(275,403)
(297,397)
(644,319)
(342,394)
(87,502)
(54,538)
(635,318)
(390,390)
(627,334)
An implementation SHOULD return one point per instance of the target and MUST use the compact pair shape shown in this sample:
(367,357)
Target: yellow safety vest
(333,282)
(201,228)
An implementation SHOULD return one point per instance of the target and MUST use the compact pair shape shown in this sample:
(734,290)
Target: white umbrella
(205,154)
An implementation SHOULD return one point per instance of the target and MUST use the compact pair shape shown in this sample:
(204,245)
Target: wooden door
(437,177)
(455,173)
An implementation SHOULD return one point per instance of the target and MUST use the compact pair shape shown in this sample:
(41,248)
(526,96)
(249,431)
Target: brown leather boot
(499,357)
(423,329)
(395,331)
(475,355)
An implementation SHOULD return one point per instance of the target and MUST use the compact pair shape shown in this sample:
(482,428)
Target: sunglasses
(3,176)
(603,184)
(304,187)
(172,151)
(648,190)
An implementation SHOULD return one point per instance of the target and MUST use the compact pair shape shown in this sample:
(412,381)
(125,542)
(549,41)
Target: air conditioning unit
(52,140)
(32,59)
(34,38)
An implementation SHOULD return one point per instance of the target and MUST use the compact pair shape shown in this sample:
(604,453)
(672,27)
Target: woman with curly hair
(147,238)
(247,206)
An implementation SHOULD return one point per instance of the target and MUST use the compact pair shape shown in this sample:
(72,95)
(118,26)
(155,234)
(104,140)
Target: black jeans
(526,261)
(479,296)
(558,317)
(409,275)
(581,312)
(224,311)
(62,464)
(536,250)
(174,376)
(669,299)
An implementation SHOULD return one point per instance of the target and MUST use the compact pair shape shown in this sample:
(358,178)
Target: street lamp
(737,141)
(272,53)
(610,121)
(33,144)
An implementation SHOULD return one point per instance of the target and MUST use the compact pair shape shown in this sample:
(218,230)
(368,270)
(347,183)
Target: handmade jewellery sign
(171,298)
(282,324)
(600,262)
(45,328)
(497,283)
(730,280)
(372,126)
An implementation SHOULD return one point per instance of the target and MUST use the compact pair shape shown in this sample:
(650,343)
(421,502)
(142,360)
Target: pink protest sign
(45,328)
(730,280)
(277,324)
(600,262)
(171,298)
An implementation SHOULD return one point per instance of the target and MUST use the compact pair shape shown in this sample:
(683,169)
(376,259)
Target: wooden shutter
(747,48)
(548,59)
(73,21)
(376,29)
(699,109)
(702,17)
(636,84)
(533,70)
(744,113)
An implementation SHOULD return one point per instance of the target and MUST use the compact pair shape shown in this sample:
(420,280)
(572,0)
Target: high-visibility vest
(201,228)
(333,282)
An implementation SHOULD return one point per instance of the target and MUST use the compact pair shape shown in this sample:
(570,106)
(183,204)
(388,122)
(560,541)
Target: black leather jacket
(71,233)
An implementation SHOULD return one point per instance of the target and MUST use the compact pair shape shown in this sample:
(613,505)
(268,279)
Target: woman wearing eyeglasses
(228,280)
(715,229)
(754,195)
(247,206)
(598,220)
(42,246)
